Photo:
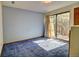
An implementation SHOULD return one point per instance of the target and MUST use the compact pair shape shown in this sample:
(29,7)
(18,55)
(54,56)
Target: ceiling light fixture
(46,1)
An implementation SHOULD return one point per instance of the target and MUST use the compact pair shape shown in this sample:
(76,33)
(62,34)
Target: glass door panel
(63,26)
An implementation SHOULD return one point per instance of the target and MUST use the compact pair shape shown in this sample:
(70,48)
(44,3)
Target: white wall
(1,29)
(21,24)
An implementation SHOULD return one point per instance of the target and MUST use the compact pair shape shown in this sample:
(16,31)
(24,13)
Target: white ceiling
(38,6)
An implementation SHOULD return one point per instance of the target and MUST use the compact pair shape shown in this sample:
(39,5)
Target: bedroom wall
(21,24)
(1,29)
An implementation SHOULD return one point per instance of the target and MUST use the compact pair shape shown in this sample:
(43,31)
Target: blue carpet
(28,48)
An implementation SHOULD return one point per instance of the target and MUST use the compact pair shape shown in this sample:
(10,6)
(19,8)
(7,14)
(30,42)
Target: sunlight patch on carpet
(49,44)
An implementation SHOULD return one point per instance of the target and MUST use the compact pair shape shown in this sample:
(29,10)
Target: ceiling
(38,6)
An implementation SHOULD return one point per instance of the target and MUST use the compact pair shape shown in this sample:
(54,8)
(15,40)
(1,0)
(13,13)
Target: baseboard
(22,40)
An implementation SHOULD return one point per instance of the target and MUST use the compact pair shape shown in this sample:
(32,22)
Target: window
(61,25)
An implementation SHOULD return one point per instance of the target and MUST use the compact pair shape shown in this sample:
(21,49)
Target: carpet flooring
(38,47)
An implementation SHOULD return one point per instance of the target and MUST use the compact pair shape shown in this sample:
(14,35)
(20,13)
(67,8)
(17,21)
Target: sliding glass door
(61,23)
